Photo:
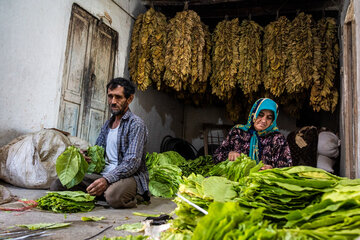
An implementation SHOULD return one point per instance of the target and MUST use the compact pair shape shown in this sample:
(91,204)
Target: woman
(260,138)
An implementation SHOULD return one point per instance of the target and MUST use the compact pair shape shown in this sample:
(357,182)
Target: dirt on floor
(78,229)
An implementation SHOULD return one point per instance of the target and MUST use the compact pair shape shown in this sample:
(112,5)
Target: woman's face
(264,120)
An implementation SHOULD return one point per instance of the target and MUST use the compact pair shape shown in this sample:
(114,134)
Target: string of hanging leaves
(275,55)
(323,93)
(237,62)
(225,58)
(147,52)
(250,53)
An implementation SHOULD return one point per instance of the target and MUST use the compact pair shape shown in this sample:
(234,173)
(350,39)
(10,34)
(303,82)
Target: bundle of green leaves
(67,202)
(71,165)
(164,180)
(336,216)
(166,158)
(167,168)
(229,221)
(97,164)
(200,165)
(289,203)
(337,212)
(201,191)
(282,190)
(235,170)
(164,173)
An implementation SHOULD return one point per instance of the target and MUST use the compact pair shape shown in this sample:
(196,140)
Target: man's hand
(233,156)
(266,167)
(98,187)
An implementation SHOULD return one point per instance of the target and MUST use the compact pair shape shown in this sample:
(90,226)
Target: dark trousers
(120,194)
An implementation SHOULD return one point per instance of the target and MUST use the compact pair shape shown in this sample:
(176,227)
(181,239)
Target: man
(124,178)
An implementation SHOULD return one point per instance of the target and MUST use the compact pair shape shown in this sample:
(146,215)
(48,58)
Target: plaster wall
(33,38)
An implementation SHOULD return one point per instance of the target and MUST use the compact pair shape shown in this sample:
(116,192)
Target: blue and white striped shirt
(131,141)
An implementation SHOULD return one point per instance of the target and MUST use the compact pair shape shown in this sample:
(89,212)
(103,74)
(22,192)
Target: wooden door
(90,54)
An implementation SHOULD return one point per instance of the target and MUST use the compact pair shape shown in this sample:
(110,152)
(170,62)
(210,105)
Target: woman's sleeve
(282,154)
(222,152)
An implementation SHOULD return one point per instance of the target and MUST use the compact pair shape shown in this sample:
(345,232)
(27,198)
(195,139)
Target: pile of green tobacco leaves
(201,191)
(67,202)
(167,168)
(71,165)
(164,173)
(235,170)
(201,165)
(288,203)
(282,190)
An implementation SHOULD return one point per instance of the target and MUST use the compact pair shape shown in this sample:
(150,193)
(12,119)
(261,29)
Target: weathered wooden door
(90,54)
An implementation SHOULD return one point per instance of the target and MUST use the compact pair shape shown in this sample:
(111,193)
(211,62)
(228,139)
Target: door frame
(349,100)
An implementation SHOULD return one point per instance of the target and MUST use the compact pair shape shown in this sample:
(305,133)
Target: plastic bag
(29,160)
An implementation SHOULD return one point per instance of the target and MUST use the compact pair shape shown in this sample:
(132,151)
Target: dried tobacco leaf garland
(184,59)
(324,96)
(147,53)
(250,54)
(275,55)
(225,58)
(304,54)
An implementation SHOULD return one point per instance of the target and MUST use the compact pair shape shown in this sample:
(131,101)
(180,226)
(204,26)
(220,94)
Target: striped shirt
(131,141)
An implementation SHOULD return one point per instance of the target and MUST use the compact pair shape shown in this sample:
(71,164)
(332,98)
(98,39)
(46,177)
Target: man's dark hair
(128,86)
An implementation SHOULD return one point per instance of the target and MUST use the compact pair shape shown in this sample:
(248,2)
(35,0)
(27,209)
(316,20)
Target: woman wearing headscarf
(260,138)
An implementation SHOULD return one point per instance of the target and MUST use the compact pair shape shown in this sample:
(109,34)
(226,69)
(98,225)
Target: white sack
(29,161)
(328,144)
(325,163)
(79,143)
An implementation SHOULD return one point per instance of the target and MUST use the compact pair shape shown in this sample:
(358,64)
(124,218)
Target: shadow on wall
(163,104)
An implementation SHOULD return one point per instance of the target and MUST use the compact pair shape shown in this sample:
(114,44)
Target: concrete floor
(78,229)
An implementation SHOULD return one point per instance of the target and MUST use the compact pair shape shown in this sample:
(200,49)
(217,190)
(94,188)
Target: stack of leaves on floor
(67,202)
(289,203)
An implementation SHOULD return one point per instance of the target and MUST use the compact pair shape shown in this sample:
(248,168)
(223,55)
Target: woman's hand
(233,156)
(266,167)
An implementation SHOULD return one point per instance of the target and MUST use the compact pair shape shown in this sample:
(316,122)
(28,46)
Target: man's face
(117,101)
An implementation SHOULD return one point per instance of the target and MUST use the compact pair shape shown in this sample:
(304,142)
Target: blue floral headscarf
(260,104)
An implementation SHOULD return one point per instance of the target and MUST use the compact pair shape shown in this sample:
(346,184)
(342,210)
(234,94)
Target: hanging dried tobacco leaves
(250,54)
(185,58)
(147,53)
(225,58)
(323,93)
(275,55)
(304,54)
